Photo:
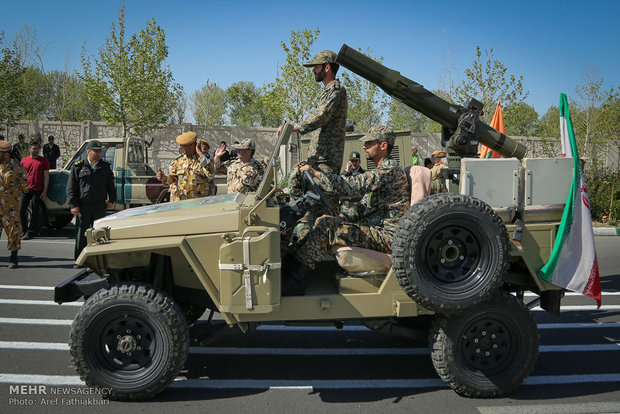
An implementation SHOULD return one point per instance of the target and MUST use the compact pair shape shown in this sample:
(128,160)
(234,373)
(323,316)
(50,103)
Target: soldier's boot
(13,264)
(294,276)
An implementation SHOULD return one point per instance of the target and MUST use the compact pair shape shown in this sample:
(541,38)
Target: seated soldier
(371,224)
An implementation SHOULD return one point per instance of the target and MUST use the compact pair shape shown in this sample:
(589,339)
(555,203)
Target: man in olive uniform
(438,185)
(90,191)
(192,173)
(354,166)
(373,221)
(13,183)
(244,173)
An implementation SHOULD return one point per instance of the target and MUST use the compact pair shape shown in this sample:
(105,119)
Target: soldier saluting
(90,184)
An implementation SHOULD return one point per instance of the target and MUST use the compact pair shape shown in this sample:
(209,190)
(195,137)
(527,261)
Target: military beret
(439,154)
(93,145)
(354,155)
(5,146)
(187,138)
(324,56)
(246,143)
(379,133)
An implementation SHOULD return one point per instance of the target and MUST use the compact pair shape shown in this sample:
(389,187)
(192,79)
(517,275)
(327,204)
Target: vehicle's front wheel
(486,351)
(129,340)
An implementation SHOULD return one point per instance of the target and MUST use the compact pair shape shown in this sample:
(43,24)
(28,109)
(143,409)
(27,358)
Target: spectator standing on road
(415,157)
(20,149)
(13,182)
(244,173)
(38,170)
(51,151)
(90,191)
(192,173)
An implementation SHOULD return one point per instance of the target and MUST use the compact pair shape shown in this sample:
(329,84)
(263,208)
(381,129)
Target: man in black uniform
(51,151)
(90,182)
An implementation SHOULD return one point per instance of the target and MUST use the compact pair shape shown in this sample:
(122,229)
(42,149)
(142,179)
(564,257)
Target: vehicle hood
(215,214)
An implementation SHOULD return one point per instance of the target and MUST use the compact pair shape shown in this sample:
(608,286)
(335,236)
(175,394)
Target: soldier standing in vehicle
(244,173)
(438,185)
(90,191)
(191,174)
(13,182)
(373,221)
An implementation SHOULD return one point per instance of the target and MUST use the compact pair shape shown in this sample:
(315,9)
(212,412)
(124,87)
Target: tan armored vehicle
(457,273)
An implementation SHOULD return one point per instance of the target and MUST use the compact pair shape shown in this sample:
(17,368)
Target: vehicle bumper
(84,283)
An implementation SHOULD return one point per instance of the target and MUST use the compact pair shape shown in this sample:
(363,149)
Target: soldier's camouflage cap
(380,133)
(439,154)
(187,138)
(5,146)
(324,56)
(245,143)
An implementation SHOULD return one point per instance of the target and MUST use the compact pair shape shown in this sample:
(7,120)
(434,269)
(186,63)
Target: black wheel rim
(126,344)
(489,344)
(455,255)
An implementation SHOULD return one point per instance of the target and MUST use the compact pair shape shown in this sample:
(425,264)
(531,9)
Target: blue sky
(548,42)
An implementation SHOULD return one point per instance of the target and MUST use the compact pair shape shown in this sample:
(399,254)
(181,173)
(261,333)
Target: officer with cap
(371,224)
(90,191)
(244,173)
(13,183)
(190,175)
(438,185)
(353,166)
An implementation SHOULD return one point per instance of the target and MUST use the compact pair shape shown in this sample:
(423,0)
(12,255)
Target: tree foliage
(130,78)
(367,102)
(521,119)
(209,104)
(487,80)
(245,104)
(12,96)
(294,92)
(400,116)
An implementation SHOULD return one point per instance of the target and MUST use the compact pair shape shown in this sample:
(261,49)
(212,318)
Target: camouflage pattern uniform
(438,185)
(244,177)
(13,183)
(372,222)
(190,176)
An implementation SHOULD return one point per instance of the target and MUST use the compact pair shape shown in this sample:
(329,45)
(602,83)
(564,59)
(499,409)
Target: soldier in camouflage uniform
(372,222)
(244,173)
(190,175)
(326,149)
(438,185)
(13,183)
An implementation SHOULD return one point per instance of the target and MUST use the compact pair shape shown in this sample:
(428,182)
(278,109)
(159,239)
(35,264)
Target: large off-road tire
(450,252)
(130,339)
(486,351)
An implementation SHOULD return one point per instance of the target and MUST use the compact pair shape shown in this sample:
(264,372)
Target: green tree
(521,119)
(245,104)
(68,99)
(178,113)
(586,114)
(549,131)
(610,115)
(130,78)
(367,102)
(12,97)
(488,81)
(209,104)
(400,116)
(294,91)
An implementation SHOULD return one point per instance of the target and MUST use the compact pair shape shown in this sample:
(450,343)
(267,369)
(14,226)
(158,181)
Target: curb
(606,231)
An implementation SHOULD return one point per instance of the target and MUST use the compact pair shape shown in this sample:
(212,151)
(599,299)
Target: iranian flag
(573,263)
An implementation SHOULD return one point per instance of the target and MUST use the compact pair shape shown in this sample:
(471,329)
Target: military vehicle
(455,275)
(135,180)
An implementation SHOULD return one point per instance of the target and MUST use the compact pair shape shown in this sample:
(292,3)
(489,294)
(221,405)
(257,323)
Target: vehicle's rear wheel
(486,351)
(130,340)
(450,252)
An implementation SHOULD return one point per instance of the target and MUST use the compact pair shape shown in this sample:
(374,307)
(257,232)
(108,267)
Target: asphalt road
(292,369)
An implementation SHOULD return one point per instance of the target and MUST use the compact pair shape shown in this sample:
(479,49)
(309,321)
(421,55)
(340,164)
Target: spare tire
(450,252)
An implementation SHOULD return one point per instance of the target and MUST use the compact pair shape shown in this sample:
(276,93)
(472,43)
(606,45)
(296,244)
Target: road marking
(56,346)
(586,408)
(305,384)
(24,321)
(614,293)
(48,241)
(36,302)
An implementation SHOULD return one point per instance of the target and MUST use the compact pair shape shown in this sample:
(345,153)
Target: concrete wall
(70,135)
